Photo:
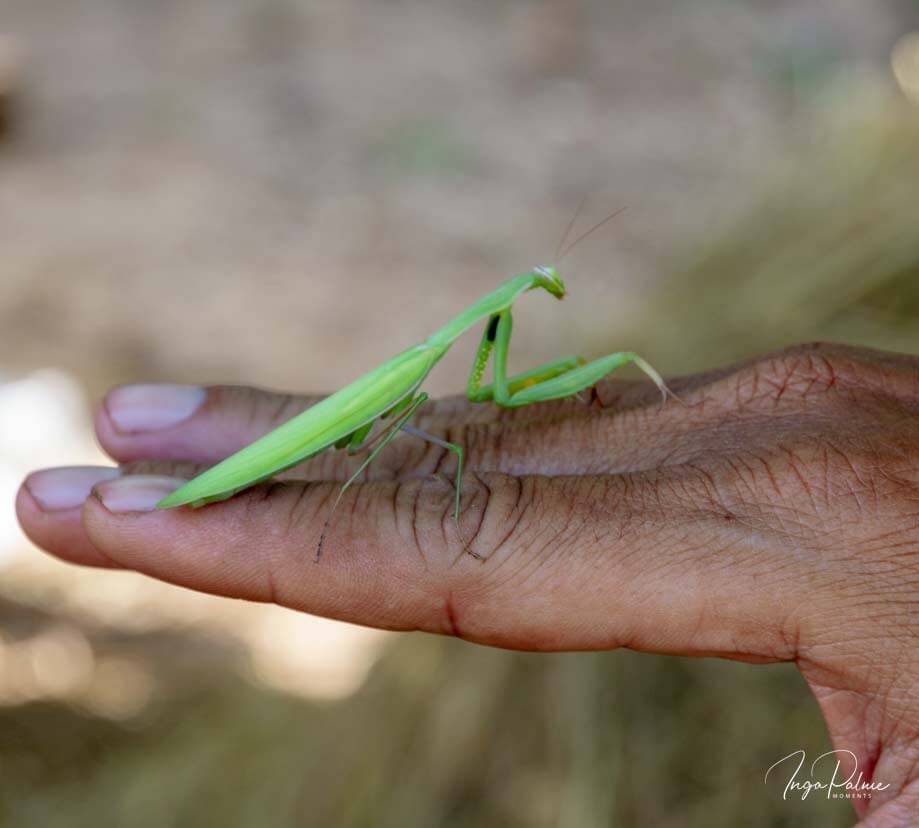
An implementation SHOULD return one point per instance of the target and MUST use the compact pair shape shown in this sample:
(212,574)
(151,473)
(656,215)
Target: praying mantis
(392,392)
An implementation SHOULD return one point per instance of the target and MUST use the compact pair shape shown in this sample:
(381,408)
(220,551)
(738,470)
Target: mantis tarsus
(392,391)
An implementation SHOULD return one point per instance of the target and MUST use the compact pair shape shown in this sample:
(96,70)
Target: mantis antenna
(568,248)
(569,228)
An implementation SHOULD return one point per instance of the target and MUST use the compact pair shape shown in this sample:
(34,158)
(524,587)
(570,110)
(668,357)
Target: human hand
(774,517)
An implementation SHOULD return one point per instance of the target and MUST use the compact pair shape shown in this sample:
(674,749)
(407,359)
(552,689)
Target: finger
(202,426)
(205,424)
(49,507)
(599,562)
(621,426)
(189,423)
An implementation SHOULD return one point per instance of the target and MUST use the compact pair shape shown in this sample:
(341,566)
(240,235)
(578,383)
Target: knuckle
(493,511)
(791,376)
(504,514)
(411,504)
(810,372)
(474,518)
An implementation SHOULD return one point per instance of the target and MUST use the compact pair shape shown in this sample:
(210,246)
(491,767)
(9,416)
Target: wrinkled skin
(774,516)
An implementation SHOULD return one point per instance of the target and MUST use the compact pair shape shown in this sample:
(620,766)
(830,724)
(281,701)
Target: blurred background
(263,192)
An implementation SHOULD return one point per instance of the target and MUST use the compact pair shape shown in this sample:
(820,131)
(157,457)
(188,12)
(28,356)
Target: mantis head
(550,280)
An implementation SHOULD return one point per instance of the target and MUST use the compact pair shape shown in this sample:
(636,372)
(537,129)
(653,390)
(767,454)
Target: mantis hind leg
(457,482)
(387,437)
(408,428)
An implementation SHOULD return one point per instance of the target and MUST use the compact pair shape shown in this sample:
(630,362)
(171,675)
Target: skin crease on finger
(775,516)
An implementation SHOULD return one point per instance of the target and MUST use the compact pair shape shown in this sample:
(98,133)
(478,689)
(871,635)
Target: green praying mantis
(392,392)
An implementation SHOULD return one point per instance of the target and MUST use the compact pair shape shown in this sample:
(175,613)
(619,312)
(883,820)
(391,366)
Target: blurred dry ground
(264,192)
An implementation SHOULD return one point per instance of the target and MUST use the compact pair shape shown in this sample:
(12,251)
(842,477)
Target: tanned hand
(774,516)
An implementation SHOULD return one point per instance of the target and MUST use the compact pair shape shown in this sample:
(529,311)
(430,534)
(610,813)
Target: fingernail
(136,493)
(66,487)
(152,407)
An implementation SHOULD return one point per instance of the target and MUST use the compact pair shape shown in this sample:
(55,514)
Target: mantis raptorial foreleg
(552,381)
(527,378)
(476,392)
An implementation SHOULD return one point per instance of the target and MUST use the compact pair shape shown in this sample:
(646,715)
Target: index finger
(571,562)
